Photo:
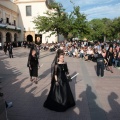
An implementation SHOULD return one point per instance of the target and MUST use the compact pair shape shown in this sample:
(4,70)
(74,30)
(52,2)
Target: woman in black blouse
(109,58)
(33,65)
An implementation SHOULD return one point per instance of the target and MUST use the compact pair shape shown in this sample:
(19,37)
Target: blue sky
(94,8)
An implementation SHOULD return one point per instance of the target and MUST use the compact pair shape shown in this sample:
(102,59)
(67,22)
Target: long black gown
(33,64)
(60,97)
(110,58)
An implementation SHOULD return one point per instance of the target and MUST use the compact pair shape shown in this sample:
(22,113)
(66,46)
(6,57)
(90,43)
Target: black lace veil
(59,51)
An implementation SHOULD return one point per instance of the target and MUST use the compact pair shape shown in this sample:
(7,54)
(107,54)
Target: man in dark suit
(100,65)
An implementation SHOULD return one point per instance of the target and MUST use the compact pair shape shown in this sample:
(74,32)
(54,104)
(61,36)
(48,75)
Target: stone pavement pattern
(96,98)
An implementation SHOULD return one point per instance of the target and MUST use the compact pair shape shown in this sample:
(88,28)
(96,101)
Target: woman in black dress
(60,97)
(33,65)
(109,58)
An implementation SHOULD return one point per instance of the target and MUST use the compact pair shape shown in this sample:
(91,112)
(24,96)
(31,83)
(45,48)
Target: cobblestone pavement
(96,98)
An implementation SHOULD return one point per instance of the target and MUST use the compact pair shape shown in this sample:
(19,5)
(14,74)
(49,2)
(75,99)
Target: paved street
(96,98)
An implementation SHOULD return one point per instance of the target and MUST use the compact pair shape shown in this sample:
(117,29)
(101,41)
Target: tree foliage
(79,24)
(57,21)
(104,28)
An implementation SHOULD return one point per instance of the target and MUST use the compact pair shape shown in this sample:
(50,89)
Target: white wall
(38,8)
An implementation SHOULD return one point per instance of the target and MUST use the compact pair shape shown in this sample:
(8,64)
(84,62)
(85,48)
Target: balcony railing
(9,26)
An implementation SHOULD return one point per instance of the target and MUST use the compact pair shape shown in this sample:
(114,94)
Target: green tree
(58,22)
(51,21)
(96,29)
(116,28)
(107,29)
(79,23)
(103,29)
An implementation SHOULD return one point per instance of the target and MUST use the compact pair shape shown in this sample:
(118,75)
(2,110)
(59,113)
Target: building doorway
(8,37)
(29,38)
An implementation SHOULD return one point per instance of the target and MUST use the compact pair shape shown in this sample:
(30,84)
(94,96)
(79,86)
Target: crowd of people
(110,52)
(60,97)
(105,55)
(78,49)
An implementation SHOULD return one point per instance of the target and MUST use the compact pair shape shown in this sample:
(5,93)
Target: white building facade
(16,21)
(9,26)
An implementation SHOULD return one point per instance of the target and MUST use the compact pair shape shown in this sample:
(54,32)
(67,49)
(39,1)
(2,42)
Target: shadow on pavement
(44,74)
(95,67)
(28,99)
(46,55)
(114,114)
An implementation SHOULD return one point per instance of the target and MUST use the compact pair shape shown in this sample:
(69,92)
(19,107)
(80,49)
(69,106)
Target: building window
(7,20)
(28,11)
(14,22)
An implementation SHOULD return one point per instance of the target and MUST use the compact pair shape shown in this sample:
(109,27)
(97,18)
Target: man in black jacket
(100,65)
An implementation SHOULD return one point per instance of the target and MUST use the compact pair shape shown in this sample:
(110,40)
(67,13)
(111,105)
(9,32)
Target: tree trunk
(104,38)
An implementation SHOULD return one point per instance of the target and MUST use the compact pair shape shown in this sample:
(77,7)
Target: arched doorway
(29,38)
(8,37)
(0,37)
(15,37)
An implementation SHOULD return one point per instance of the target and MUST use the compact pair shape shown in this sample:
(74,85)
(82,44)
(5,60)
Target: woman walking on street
(60,97)
(33,65)
(109,58)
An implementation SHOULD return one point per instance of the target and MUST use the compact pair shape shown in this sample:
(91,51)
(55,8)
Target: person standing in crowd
(24,44)
(109,58)
(60,97)
(118,59)
(37,46)
(115,57)
(99,46)
(95,55)
(33,65)
(100,65)
(10,49)
(81,52)
(5,48)
(104,56)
